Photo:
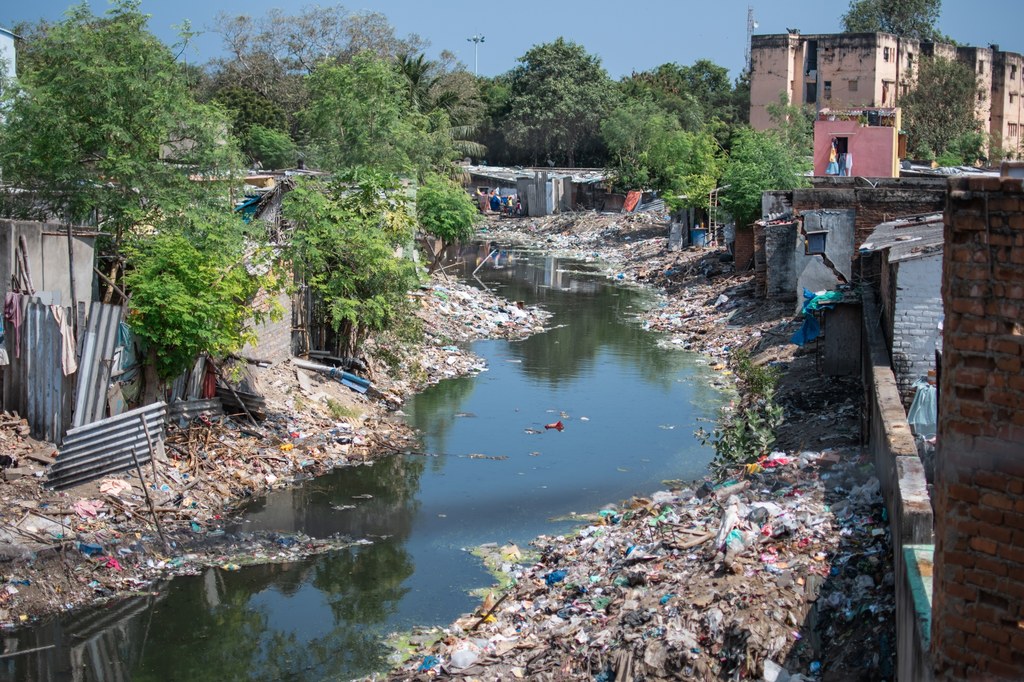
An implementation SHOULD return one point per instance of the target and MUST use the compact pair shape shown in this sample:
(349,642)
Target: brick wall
(915,320)
(743,249)
(873,205)
(979,492)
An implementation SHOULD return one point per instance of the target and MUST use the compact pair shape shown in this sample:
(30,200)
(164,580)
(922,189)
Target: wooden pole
(145,488)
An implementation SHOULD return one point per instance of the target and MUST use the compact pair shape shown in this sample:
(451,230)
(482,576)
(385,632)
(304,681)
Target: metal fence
(35,385)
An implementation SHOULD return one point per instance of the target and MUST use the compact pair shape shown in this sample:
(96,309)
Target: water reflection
(491,472)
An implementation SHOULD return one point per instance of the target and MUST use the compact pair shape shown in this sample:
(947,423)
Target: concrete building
(865,142)
(1007,110)
(857,70)
(8,58)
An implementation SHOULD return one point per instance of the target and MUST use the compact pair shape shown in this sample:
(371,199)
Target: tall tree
(940,110)
(359,115)
(758,162)
(907,18)
(104,129)
(344,246)
(557,97)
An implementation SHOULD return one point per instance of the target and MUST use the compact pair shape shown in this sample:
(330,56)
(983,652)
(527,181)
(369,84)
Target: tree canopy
(907,18)
(557,97)
(758,162)
(940,110)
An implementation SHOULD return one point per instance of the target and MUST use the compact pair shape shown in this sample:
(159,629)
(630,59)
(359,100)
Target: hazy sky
(627,36)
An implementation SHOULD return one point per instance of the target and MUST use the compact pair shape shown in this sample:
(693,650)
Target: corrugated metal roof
(908,238)
(190,409)
(105,447)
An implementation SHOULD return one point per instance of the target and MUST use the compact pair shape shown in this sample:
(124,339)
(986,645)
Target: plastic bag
(924,410)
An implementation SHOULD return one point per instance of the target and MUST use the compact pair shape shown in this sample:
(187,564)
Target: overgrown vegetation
(748,432)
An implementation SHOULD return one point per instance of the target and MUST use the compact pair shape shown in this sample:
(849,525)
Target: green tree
(104,126)
(445,211)
(907,18)
(557,97)
(191,284)
(248,109)
(359,115)
(758,162)
(940,110)
(104,130)
(271,148)
(344,249)
(794,124)
(648,149)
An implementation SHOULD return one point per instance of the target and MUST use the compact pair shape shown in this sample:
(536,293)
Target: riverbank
(780,570)
(103,540)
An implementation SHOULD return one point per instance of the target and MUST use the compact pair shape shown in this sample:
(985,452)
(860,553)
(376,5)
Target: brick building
(978,607)
(854,70)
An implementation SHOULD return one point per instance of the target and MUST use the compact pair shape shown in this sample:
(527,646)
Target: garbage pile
(455,314)
(745,579)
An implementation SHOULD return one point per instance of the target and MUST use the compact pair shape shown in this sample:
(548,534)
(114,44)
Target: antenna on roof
(751,25)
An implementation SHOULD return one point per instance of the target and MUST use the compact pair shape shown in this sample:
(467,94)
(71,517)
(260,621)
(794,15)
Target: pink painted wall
(873,147)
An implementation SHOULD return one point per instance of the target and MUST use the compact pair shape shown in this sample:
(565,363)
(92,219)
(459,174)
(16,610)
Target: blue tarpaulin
(814,302)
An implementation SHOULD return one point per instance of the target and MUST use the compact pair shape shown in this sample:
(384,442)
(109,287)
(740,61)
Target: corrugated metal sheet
(34,382)
(94,366)
(105,446)
(256,404)
(190,409)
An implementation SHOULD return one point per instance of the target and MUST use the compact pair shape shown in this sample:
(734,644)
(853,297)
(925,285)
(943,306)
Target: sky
(627,36)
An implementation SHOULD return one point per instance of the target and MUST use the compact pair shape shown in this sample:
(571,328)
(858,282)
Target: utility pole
(476,40)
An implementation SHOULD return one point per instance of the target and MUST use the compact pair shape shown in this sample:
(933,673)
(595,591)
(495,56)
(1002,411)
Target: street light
(476,40)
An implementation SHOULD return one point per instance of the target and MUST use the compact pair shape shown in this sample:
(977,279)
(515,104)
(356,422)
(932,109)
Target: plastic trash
(555,577)
(90,550)
(558,426)
(463,658)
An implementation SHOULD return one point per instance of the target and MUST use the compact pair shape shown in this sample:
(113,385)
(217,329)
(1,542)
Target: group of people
(839,163)
(505,205)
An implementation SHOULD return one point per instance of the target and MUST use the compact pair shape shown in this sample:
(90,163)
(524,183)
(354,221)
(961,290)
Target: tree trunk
(153,386)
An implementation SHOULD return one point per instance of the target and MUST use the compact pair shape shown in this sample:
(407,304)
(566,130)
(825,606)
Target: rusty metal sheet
(105,447)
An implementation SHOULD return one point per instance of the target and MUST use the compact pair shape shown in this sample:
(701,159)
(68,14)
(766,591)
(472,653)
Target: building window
(1013,97)
(1011,130)
(814,243)
(1013,71)
(853,85)
(828,90)
(885,54)
(981,66)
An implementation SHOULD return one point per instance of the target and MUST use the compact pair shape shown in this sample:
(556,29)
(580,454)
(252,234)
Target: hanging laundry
(68,362)
(12,313)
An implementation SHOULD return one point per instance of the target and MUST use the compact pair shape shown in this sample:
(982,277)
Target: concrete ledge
(914,614)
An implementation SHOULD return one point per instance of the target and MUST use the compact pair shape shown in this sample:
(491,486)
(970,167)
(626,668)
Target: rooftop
(908,237)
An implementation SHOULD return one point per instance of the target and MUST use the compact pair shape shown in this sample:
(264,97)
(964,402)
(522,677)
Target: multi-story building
(6,53)
(873,70)
(1007,108)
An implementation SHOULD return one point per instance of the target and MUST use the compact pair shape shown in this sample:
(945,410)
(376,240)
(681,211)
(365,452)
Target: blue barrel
(698,237)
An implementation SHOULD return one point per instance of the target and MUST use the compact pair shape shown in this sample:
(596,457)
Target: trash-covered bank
(120,533)
(737,580)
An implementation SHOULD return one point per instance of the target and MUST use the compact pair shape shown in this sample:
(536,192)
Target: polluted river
(488,469)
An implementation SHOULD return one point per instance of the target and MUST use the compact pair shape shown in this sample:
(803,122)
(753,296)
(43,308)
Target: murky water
(491,472)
